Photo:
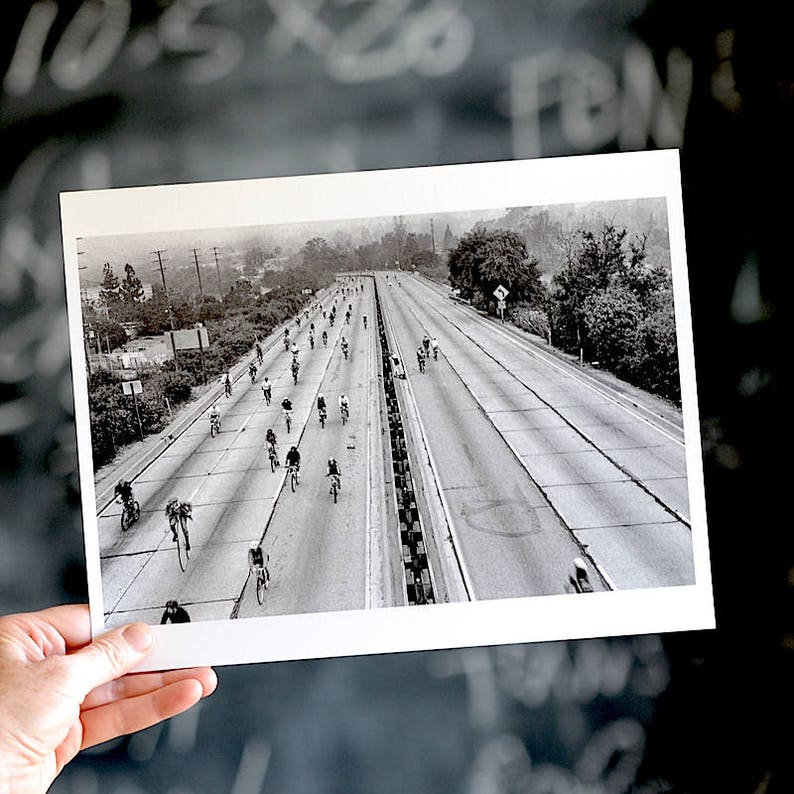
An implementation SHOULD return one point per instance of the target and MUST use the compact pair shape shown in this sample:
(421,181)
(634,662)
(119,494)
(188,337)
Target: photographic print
(388,411)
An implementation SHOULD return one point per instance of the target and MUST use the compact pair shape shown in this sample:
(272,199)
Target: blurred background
(104,93)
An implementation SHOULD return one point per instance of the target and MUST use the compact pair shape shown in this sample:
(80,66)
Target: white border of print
(382,193)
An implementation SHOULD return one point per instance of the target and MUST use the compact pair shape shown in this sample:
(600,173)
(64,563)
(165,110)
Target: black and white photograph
(466,422)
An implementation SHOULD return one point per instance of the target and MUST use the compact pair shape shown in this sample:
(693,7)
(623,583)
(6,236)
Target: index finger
(71,621)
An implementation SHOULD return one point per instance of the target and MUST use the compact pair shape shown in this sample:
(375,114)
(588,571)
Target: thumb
(110,656)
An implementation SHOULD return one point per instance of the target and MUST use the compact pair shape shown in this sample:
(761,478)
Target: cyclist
(271,442)
(311,339)
(215,417)
(581,579)
(325,338)
(434,348)
(267,390)
(321,402)
(344,404)
(295,367)
(333,470)
(298,320)
(295,350)
(396,367)
(227,386)
(259,356)
(123,493)
(365,322)
(256,563)
(294,460)
(420,357)
(175,511)
(426,343)
(311,328)
(174,613)
(252,372)
(347,318)
(286,339)
(344,346)
(286,407)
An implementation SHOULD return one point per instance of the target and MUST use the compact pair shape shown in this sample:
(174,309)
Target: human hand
(61,693)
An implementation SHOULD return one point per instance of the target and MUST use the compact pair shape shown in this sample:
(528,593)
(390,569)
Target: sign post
(500,293)
(134,387)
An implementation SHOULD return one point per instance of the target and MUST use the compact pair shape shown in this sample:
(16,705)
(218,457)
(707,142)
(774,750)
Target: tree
(109,289)
(483,260)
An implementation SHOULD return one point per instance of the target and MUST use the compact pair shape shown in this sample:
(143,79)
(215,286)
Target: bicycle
(288,419)
(435,354)
(130,513)
(294,477)
(322,416)
(227,389)
(421,365)
(345,411)
(259,355)
(267,394)
(262,581)
(182,546)
(273,455)
(335,486)
(252,373)
(215,426)
(295,375)
(344,350)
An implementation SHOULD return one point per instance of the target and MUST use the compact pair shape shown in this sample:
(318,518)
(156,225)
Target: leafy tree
(109,289)
(611,319)
(131,289)
(484,259)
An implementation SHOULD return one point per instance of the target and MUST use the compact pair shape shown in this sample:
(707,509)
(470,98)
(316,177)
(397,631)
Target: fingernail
(139,637)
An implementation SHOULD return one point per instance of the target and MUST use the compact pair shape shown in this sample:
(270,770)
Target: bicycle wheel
(293,480)
(322,421)
(289,424)
(335,490)
(214,429)
(181,548)
(136,512)
(126,518)
(260,586)
(272,463)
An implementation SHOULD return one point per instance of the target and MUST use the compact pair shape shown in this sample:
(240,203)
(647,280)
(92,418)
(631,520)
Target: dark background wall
(100,94)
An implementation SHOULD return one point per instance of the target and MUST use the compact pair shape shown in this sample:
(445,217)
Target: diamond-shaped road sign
(501,293)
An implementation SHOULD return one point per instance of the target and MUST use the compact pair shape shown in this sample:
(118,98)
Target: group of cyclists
(179,513)
(427,347)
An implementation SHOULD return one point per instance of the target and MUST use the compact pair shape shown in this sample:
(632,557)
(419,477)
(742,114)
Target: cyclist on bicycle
(344,344)
(298,320)
(175,511)
(365,322)
(227,386)
(295,367)
(333,470)
(215,416)
(252,371)
(347,318)
(267,390)
(272,443)
(325,338)
(420,358)
(344,404)
(321,402)
(123,493)
(434,347)
(581,579)
(426,343)
(256,560)
(294,460)
(295,351)
(311,339)
(311,327)
(259,357)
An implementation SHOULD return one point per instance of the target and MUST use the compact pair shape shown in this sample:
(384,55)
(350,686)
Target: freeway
(518,463)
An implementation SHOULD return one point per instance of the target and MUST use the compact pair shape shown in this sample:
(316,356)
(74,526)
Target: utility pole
(218,271)
(432,237)
(198,273)
(159,255)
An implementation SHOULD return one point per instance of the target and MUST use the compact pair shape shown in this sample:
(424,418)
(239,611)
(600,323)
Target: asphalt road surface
(521,461)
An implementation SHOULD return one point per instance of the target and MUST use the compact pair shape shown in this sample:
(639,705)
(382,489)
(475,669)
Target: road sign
(501,292)
(191,339)
(501,306)
(132,387)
